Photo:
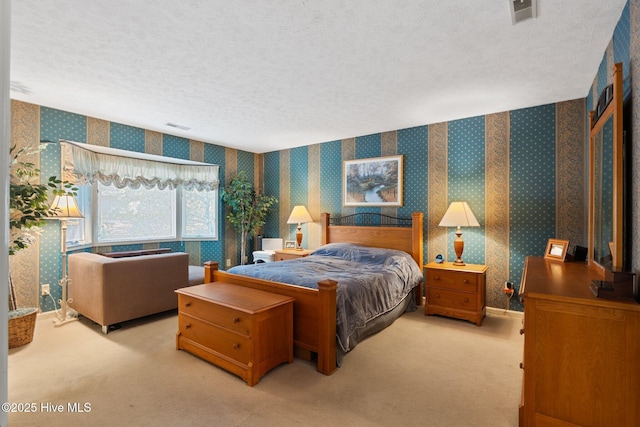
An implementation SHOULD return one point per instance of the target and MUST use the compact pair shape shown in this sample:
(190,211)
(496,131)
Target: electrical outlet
(45,289)
(228,262)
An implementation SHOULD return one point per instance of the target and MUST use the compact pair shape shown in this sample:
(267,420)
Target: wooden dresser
(243,330)
(581,353)
(285,254)
(456,291)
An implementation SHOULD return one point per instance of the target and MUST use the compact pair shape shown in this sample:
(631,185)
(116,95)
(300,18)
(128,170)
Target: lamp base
(57,322)
(458,246)
(299,238)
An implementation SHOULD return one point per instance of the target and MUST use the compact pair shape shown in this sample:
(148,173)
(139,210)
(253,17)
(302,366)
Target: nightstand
(285,254)
(456,291)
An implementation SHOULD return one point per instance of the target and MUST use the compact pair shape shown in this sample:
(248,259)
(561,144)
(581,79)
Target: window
(199,214)
(126,214)
(79,230)
(135,197)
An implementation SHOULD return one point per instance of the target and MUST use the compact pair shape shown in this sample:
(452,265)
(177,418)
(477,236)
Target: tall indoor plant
(28,208)
(248,209)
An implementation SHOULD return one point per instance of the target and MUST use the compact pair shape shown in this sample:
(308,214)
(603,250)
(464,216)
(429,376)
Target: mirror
(606,178)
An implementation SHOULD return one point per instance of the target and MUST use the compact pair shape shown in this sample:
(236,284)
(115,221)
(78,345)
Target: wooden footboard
(314,313)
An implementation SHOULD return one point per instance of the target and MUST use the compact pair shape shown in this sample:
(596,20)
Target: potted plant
(248,209)
(28,208)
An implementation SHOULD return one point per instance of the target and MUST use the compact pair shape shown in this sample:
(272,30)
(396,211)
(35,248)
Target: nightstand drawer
(451,299)
(219,340)
(287,254)
(228,318)
(457,280)
(284,257)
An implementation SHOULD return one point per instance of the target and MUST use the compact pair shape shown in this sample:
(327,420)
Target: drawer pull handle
(521,365)
(466,299)
(187,326)
(465,281)
(522,331)
(437,295)
(188,304)
(236,346)
(436,277)
(236,320)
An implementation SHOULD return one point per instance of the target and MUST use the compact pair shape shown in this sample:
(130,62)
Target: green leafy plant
(29,199)
(248,209)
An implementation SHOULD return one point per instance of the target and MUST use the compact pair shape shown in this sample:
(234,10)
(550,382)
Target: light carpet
(421,371)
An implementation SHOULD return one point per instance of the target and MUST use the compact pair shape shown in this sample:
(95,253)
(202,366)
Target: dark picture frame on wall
(556,249)
(375,181)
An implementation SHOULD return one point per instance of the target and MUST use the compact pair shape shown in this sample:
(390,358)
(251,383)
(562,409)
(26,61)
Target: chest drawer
(451,299)
(224,317)
(456,280)
(235,346)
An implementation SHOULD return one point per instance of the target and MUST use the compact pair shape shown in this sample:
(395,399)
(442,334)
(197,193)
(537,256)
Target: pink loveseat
(113,290)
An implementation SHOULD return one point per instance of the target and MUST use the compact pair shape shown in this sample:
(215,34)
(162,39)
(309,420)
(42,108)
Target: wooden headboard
(378,231)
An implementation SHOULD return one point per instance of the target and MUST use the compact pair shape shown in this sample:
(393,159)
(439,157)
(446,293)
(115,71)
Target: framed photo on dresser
(556,249)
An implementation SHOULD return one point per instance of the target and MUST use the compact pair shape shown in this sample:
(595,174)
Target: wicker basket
(22,322)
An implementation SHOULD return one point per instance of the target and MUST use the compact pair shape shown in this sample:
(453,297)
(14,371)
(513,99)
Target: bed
(318,329)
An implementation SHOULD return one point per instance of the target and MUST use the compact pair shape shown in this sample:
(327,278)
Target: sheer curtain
(87,164)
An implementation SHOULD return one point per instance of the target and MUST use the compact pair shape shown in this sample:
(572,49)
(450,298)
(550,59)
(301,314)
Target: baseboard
(47,315)
(493,311)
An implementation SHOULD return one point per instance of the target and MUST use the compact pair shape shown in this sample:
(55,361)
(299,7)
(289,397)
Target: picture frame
(556,249)
(289,244)
(376,181)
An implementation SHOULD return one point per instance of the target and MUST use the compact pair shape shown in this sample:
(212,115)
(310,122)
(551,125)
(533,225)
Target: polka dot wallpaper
(272,187)
(176,147)
(532,184)
(466,165)
(127,138)
(299,190)
(622,46)
(330,176)
(412,145)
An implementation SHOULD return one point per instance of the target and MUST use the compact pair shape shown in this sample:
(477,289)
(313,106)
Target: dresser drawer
(233,345)
(228,318)
(457,280)
(451,299)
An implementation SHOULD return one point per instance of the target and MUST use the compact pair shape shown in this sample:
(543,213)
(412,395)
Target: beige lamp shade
(299,215)
(66,207)
(459,215)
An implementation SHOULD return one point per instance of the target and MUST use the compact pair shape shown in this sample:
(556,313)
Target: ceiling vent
(173,125)
(522,9)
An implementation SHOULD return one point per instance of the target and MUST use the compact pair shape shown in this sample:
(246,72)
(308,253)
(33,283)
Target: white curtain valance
(84,163)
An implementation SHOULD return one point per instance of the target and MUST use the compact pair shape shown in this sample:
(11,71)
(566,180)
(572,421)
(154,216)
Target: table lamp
(459,215)
(299,215)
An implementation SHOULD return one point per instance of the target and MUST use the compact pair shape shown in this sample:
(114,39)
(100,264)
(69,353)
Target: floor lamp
(65,208)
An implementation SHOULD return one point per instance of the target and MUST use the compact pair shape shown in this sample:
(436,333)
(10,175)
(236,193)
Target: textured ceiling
(266,75)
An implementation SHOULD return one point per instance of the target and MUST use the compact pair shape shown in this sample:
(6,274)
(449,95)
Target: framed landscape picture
(372,182)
